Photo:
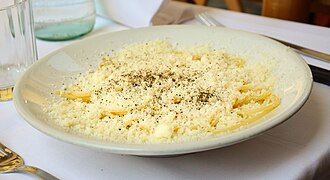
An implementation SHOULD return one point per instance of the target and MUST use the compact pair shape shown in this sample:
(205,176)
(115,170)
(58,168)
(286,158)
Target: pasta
(155,93)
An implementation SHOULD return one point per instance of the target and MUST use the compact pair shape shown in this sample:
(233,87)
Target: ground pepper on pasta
(154,92)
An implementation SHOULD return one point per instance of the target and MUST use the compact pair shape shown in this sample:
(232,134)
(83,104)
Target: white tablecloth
(298,148)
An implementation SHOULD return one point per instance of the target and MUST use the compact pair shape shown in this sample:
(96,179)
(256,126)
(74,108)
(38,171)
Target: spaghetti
(155,93)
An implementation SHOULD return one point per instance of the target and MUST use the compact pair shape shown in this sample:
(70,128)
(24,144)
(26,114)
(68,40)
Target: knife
(320,75)
(305,51)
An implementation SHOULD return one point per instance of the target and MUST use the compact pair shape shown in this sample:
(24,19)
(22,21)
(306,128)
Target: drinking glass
(17,43)
(57,20)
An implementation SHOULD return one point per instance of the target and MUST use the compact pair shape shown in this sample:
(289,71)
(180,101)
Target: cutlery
(208,20)
(319,74)
(12,162)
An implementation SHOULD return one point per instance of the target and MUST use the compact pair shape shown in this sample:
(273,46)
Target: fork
(12,162)
(206,19)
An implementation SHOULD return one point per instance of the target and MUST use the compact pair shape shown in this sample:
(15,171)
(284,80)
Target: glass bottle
(57,20)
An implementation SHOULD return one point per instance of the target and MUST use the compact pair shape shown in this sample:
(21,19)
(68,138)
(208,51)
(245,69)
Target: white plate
(35,86)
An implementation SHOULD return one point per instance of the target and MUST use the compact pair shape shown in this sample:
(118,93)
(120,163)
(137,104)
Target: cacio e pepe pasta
(154,92)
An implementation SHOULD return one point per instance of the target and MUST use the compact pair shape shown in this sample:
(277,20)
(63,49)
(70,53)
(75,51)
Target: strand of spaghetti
(120,112)
(248,87)
(84,96)
(248,99)
(275,102)
(117,112)
(242,123)
(249,120)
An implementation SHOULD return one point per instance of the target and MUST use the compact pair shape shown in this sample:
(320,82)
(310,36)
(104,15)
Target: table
(298,148)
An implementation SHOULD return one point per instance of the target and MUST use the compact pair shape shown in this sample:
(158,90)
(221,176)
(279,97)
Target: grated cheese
(155,93)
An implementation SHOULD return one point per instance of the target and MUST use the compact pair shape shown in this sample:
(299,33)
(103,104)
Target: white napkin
(142,13)
(132,13)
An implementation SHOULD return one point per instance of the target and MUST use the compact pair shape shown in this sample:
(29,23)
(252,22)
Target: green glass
(57,20)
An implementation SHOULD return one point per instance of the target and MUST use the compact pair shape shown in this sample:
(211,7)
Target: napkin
(142,13)
(172,14)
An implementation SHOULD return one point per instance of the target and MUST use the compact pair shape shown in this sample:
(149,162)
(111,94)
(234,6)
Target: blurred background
(316,12)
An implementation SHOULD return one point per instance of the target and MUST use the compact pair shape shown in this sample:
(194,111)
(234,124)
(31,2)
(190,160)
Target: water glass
(57,20)
(17,43)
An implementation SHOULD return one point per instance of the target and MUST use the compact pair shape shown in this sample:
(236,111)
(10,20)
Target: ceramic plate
(33,89)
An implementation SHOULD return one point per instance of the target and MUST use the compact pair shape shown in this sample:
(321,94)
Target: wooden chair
(200,2)
(295,10)
(234,5)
